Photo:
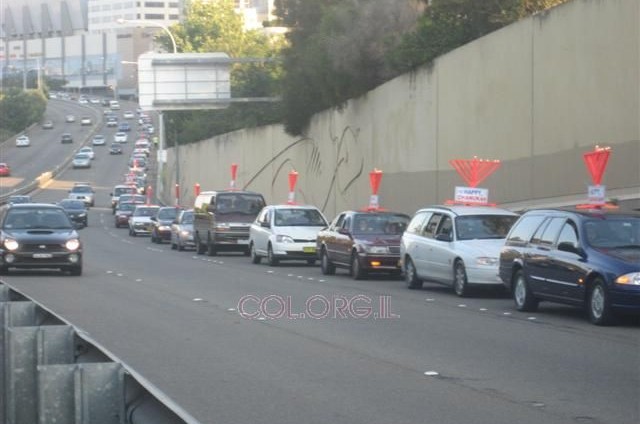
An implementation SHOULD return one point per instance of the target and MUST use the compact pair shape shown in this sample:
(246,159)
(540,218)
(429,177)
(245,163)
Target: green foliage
(213,26)
(19,109)
(342,49)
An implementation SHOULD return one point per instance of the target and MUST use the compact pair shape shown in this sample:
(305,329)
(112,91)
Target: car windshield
(168,213)
(242,203)
(613,232)
(126,206)
(72,204)
(473,227)
(296,217)
(28,218)
(82,156)
(81,189)
(118,191)
(380,223)
(145,211)
(187,218)
(19,199)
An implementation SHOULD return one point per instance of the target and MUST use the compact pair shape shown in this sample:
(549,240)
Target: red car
(5,171)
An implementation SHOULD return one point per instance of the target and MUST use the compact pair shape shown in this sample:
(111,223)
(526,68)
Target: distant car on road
(161,230)
(47,125)
(81,160)
(140,222)
(77,211)
(83,192)
(70,118)
(5,170)
(112,121)
(88,150)
(120,137)
(85,120)
(37,235)
(66,138)
(23,141)
(98,140)
(128,115)
(182,231)
(115,149)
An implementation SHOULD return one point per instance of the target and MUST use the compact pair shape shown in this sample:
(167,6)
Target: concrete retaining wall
(536,95)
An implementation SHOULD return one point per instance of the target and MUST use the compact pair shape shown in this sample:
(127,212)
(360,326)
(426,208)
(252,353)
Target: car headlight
(376,249)
(185,233)
(82,215)
(11,244)
(222,227)
(632,279)
(280,238)
(164,228)
(486,260)
(72,244)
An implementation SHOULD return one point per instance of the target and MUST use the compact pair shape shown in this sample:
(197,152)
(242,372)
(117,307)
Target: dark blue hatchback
(589,259)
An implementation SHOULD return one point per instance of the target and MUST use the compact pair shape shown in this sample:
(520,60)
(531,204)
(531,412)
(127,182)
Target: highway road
(416,356)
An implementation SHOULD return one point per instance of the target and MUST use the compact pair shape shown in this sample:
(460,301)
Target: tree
(214,26)
(19,109)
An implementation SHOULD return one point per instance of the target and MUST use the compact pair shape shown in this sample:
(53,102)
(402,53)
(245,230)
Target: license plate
(42,255)
(310,249)
(242,241)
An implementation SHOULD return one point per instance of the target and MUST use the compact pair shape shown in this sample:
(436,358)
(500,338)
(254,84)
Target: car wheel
(460,283)
(173,245)
(311,261)
(522,296)
(4,270)
(255,258)
(180,246)
(327,267)
(200,248)
(211,248)
(411,276)
(600,312)
(271,259)
(76,271)
(357,273)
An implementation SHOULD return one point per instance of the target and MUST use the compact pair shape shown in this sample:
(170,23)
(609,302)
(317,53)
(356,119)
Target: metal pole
(160,154)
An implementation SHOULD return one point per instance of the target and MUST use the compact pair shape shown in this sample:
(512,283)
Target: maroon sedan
(362,242)
(123,213)
(5,171)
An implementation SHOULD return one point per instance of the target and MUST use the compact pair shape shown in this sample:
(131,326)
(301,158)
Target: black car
(115,149)
(161,230)
(586,258)
(37,235)
(76,210)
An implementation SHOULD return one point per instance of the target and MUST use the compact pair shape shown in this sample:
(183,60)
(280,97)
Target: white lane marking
(197,299)
(429,300)
(506,313)
(462,305)
(431,373)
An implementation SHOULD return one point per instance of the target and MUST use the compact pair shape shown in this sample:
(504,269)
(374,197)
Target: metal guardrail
(50,372)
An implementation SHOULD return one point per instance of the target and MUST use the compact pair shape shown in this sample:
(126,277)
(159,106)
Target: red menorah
(474,171)
(596,162)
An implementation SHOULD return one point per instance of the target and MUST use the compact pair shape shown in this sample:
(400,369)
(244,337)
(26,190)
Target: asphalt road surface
(192,326)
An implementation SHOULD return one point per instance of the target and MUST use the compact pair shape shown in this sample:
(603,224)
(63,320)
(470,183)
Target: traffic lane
(472,349)
(45,152)
(223,368)
(489,346)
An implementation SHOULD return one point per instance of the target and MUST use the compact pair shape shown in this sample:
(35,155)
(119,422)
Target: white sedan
(128,115)
(285,232)
(23,141)
(120,137)
(89,151)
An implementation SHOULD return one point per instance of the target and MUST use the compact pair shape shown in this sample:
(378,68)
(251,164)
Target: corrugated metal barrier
(52,373)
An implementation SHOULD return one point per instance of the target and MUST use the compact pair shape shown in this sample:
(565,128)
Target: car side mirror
(153,218)
(566,246)
(211,208)
(344,231)
(265,224)
(444,237)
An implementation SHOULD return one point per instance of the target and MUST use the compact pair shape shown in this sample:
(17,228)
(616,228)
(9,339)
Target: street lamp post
(140,22)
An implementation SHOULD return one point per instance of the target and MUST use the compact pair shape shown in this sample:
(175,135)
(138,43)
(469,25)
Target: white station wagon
(457,246)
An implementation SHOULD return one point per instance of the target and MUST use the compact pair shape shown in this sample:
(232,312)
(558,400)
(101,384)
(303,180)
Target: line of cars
(583,257)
